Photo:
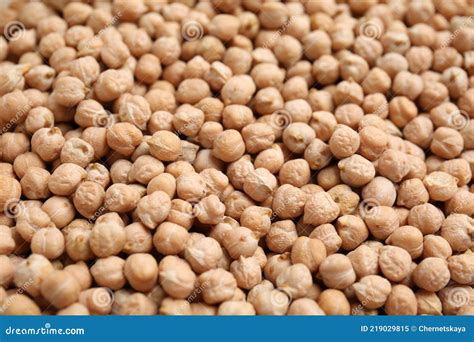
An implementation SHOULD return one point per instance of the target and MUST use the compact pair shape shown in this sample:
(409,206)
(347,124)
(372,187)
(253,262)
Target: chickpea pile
(237,157)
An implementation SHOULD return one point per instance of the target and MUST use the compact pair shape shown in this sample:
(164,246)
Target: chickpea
(141,271)
(60,288)
(401,301)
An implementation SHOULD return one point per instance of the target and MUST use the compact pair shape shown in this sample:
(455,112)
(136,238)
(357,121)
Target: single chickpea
(337,272)
(352,231)
(108,272)
(228,146)
(60,288)
(260,184)
(288,201)
(447,143)
(344,142)
(432,274)
(153,209)
(141,271)
(401,301)
(170,238)
(247,272)
(334,302)
(436,246)
(48,242)
(176,277)
(308,251)
(240,241)
(218,285)
(456,229)
(440,185)
(202,253)
(320,208)
(411,193)
(107,239)
(394,263)
(364,261)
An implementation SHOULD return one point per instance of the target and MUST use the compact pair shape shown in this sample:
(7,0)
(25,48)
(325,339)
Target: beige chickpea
(344,142)
(281,236)
(328,177)
(334,302)
(154,208)
(295,172)
(337,272)
(436,246)
(232,308)
(176,277)
(108,272)
(238,170)
(218,285)
(409,238)
(356,170)
(21,305)
(30,273)
(7,244)
(447,143)
(352,231)
(238,90)
(60,288)
(123,137)
(170,238)
(364,261)
(394,263)
(260,184)
(240,241)
(34,183)
(393,165)
(428,303)
(372,291)
(308,251)
(401,301)
(121,198)
(202,253)
(165,146)
(144,169)
(317,154)
(320,208)
(141,271)
(305,306)
(228,146)
(138,239)
(297,136)
(328,235)
(288,201)
(257,136)
(440,185)
(60,210)
(107,239)
(65,179)
(456,229)
(295,280)
(412,192)
(48,242)
(459,168)
(432,274)
(47,143)
(247,272)
(191,186)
